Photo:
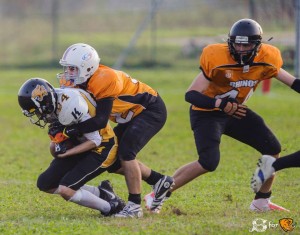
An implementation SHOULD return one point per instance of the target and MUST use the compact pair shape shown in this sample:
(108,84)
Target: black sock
(135,198)
(153,177)
(292,160)
(263,195)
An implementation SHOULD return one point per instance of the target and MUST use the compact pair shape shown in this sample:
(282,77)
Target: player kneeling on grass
(92,154)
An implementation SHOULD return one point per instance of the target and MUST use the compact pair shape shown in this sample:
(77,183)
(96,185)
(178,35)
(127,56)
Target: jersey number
(76,114)
(233,94)
(120,119)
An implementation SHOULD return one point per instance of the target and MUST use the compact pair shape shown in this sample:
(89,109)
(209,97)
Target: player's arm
(103,110)
(195,96)
(89,141)
(288,79)
(194,93)
(81,148)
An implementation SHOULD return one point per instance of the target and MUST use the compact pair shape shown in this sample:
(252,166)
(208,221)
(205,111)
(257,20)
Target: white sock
(85,198)
(92,189)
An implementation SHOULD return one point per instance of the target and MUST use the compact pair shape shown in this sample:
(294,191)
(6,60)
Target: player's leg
(48,181)
(132,137)
(89,167)
(267,165)
(253,131)
(289,161)
(207,128)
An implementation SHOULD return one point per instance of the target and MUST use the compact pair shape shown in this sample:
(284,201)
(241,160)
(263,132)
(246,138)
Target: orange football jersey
(131,96)
(230,79)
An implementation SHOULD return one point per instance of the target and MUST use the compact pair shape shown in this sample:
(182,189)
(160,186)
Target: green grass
(216,203)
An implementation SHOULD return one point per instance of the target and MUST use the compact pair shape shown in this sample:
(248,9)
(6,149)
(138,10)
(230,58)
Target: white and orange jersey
(229,79)
(131,96)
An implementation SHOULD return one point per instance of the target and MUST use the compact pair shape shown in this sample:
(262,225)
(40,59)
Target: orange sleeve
(105,83)
(213,56)
(272,56)
(204,62)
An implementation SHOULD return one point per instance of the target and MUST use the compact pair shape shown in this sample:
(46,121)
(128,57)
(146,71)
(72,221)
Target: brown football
(69,145)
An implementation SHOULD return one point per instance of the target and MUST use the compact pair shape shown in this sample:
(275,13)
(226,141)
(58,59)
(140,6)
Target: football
(67,143)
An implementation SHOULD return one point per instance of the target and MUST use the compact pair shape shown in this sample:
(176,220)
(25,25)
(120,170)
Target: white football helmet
(80,61)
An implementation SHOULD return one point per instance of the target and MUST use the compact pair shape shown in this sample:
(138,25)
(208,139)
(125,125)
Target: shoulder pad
(72,108)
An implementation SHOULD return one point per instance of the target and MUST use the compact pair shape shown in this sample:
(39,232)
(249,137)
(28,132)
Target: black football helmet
(37,99)
(245,31)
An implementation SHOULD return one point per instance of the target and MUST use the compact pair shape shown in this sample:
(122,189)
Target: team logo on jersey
(38,93)
(228,73)
(287,224)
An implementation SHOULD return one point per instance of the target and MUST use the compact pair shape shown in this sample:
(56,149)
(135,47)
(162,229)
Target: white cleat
(263,172)
(264,205)
(131,210)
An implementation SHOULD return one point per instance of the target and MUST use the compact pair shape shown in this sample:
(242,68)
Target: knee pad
(209,159)
(41,185)
(124,154)
(127,158)
(273,148)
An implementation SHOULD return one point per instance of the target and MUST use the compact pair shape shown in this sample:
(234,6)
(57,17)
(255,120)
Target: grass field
(216,203)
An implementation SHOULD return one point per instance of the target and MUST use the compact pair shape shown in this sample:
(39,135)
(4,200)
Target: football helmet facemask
(37,100)
(244,31)
(80,61)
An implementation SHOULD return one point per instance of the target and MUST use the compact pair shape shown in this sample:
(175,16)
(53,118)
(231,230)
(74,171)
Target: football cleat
(116,205)
(163,186)
(131,210)
(264,204)
(263,172)
(149,198)
(160,190)
(107,193)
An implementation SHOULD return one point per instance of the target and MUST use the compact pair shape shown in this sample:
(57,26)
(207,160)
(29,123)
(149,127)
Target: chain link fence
(133,32)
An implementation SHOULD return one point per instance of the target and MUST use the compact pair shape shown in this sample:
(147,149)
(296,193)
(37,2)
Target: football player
(230,73)
(268,165)
(137,109)
(92,154)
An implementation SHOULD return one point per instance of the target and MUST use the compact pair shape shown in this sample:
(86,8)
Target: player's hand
(71,131)
(55,132)
(231,107)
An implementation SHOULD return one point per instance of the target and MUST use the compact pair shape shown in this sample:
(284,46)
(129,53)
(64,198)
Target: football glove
(55,132)
(231,107)
(71,131)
